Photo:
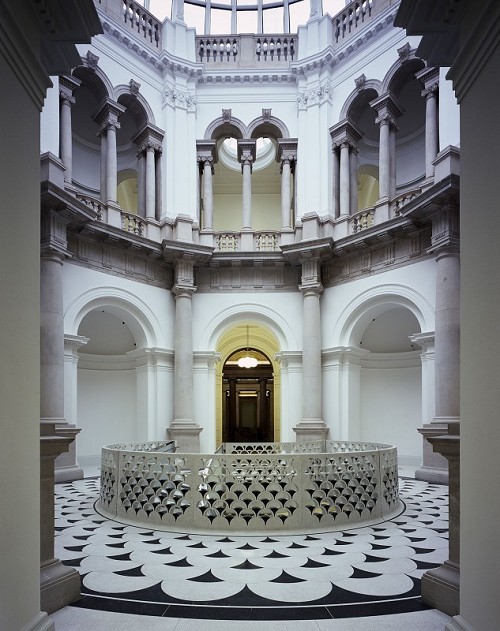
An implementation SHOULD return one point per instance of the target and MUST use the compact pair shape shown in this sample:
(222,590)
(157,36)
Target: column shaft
(336,183)
(183,358)
(141,184)
(311,356)
(286,198)
(65,139)
(208,200)
(431,132)
(384,158)
(345,196)
(447,341)
(353,181)
(247,194)
(111,164)
(104,164)
(150,183)
(51,339)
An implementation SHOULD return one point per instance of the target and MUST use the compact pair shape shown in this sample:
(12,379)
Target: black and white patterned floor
(366,571)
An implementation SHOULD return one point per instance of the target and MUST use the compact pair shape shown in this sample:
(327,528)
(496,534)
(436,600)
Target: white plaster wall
(86,168)
(49,120)
(391,408)
(266,212)
(81,285)
(106,409)
(416,281)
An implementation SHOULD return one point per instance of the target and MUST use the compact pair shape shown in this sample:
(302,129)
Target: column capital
(247,151)
(149,138)
(429,77)
(203,161)
(345,133)
(107,115)
(287,149)
(388,110)
(67,87)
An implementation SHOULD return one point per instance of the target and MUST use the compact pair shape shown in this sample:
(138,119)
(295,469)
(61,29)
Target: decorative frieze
(179,99)
(315,96)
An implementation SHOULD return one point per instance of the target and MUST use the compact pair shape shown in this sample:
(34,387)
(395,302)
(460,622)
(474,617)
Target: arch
(400,72)
(141,321)
(358,313)
(137,103)
(97,81)
(359,99)
(248,313)
(223,127)
(271,127)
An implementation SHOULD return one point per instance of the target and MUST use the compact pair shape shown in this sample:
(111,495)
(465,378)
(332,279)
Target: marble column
(183,428)
(67,86)
(59,585)
(312,426)
(286,198)
(246,169)
(445,247)
(107,118)
(150,182)
(345,179)
(246,156)
(345,136)
(336,181)
(53,253)
(103,161)
(149,141)
(208,197)
(430,79)
(388,111)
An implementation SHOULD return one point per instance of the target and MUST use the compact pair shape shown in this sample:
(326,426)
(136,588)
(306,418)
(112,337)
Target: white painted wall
(391,408)
(106,409)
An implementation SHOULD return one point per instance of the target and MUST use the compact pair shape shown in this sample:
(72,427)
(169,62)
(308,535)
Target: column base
(458,624)
(40,623)
(59,585)
(66,468)
(186,434)
(435,466)
(441,588)
(310,429)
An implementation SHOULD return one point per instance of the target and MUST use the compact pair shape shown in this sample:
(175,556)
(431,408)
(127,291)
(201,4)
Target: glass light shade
(247,362)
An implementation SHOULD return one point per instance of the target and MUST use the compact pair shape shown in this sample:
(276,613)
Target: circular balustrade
(250,488)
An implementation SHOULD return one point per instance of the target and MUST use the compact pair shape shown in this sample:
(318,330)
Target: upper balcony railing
(251,50)
(246,51)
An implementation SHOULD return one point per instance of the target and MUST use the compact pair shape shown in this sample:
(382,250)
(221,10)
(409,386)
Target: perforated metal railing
(251,487)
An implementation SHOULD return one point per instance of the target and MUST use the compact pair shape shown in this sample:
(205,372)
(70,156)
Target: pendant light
(247,361)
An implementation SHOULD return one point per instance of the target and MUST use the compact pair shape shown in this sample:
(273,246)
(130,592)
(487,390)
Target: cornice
(89,361)
(247,76)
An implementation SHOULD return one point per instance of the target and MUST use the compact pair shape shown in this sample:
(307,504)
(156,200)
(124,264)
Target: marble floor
(363,578)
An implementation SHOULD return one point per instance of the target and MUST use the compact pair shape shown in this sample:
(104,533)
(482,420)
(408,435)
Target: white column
(384,158)
(246,169)
(103,162)
(67,86)
(150,182)
(183,428)
(71,345)
(158,171)
(429,77)
(345,180)
(208,199)
(336,181)
(111,162)
(66,140)
(286,171)
(141,184)
(353,184)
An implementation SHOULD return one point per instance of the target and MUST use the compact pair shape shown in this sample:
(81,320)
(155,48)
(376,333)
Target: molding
(41,622)
(88,361)
(409,359)
(458,623)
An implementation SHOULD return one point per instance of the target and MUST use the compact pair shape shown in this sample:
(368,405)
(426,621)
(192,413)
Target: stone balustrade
(363,220)
(136,17)
(251,487)
(246,50)
(133,223)
(403,199)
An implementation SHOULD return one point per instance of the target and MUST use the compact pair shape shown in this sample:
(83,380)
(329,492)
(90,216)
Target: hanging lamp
(247,361)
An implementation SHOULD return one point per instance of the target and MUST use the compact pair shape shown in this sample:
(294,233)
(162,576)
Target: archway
(248,393)
(248,400)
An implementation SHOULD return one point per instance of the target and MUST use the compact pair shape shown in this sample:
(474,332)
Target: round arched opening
(247,394)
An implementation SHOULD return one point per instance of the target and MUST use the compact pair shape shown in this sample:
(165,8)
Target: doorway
(248,397)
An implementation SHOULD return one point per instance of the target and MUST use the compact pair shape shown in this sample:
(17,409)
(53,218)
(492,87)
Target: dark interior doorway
(247,395)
